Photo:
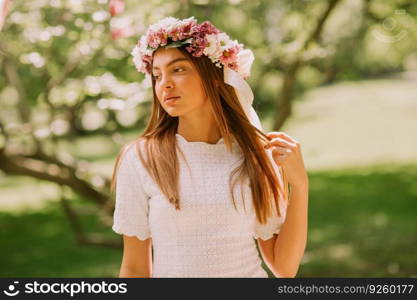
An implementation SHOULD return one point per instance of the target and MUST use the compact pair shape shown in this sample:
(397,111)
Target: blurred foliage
(66,59)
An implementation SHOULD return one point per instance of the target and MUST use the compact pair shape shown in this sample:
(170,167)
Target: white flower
(245,59)
(213,49)
(224,41)
(166,23)
(186,21)
(143,46)
(137,57)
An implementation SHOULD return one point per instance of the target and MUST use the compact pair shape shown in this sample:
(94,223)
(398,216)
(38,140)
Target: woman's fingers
(281,150)
(280,154)
(282,146)
(280,142)
(283,135)
(280,158)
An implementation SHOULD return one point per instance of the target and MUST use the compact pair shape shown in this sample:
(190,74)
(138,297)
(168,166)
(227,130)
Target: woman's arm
(289,245)
(283,252)
(137,257)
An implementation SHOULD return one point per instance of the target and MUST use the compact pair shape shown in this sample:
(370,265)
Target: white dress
(206,237)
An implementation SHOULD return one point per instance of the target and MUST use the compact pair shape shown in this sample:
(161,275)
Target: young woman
(203,181)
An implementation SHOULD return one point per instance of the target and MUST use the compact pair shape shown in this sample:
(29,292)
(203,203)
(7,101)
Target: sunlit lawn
(41,244)
(362,215)
(363,223)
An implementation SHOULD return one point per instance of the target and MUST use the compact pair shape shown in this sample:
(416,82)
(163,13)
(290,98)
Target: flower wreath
(201,39)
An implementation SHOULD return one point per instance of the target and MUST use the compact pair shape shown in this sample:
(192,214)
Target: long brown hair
(161,160)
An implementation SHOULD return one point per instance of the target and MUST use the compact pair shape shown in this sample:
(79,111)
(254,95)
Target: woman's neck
(199,131)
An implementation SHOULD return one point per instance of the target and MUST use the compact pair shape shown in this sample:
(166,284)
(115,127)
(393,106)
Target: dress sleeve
(274,222)
(131,208)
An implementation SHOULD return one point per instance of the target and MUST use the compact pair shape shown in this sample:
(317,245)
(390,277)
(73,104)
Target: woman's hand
(287,154)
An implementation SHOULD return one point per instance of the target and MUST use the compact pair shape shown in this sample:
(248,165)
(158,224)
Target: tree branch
(316,33)
(82,237)
(62,175)
(14,79)
(286,94)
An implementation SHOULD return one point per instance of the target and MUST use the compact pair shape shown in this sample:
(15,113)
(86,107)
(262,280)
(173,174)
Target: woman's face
(175,75)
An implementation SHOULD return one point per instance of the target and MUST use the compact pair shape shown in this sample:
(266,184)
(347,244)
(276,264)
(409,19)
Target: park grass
(41,244)
(361,224)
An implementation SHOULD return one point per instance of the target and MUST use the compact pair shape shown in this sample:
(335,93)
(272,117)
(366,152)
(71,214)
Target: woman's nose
(167,83)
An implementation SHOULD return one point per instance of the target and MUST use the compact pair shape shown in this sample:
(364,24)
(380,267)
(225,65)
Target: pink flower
(117,33)
(116,7)
(229,55)
(199,39)
(161,37)
(153,40)
(198,45)
(186,30)
(175,33)
(207,28)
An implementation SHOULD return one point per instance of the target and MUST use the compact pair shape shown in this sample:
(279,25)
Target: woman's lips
(171,100)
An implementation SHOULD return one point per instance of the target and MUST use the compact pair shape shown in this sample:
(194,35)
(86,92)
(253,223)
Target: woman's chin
(173,113)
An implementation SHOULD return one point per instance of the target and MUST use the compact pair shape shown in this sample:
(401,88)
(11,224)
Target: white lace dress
(207,237)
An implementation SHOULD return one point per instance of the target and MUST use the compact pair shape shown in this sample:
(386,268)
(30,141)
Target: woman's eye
(176,69)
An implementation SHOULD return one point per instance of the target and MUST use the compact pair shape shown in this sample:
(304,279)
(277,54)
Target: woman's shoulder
(130,151)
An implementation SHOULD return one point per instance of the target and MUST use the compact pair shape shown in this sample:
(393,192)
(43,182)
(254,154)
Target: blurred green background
(339,76)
